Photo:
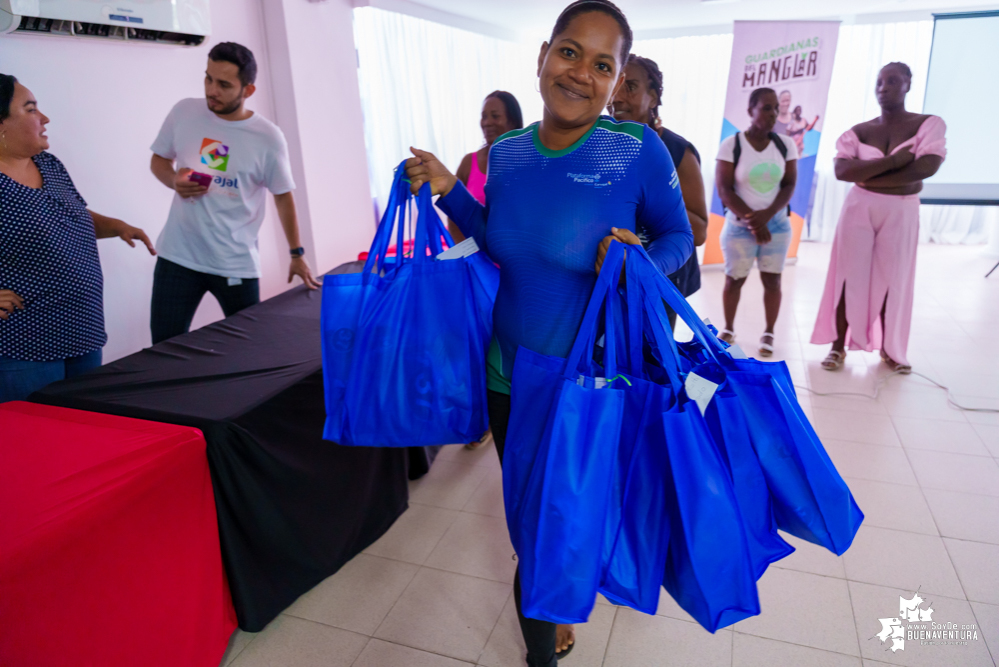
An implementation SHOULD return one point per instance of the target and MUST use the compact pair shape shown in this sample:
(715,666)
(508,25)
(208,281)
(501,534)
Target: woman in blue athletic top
(557,194)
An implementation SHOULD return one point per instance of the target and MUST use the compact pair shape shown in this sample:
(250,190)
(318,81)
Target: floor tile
(904,560)
(359,596)
(811,558)
(848,403)
(478,546)
(414,535)
(977,567)
(484,456)
(893,506)
(805,609)
(448,485)
(506,643)
(940,436)
(987,618)
(855,427)
(929,403)
(379,653)
(874,462)
(955,472)
(871,603)
(238,641)
(300,643)
(488,498)
(965,516)
(446,613)
(989,435)
(657,641)
(750,651)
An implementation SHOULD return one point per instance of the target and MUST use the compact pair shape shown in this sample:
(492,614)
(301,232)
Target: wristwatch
(298,252)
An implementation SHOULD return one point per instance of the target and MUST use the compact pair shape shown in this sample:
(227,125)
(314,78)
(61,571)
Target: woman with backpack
(755,174)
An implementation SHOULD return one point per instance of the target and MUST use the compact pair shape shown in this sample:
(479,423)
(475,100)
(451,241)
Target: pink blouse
(929,140)
(477,180)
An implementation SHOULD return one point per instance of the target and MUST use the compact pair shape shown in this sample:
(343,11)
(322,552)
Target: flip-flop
(834,360)
(729,333)
(894,366)
(565,653)
(767,349)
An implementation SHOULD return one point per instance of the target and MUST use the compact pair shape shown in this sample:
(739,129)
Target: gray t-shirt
(217,233)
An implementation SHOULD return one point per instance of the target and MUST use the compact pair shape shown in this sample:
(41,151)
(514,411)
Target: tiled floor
(435,591)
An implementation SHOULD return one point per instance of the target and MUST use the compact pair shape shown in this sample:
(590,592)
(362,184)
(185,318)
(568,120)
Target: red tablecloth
(109,546)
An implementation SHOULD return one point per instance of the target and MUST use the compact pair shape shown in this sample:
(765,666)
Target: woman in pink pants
(867,302)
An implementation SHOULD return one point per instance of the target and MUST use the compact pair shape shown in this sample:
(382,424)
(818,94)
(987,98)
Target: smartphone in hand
(204,180)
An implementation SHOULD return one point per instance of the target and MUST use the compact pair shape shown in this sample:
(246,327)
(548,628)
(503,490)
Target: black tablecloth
(292,507)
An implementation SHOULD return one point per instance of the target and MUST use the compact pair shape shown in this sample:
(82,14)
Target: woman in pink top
(500,114)
(867,302)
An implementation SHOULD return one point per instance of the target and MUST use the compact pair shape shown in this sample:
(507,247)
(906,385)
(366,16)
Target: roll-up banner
(795,59)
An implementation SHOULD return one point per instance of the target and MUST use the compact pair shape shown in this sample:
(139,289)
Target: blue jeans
(19,379)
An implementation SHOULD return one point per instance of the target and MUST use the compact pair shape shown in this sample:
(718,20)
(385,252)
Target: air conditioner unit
(183,22)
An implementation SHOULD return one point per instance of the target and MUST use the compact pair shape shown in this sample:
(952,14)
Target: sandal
(562,656)
(834,360)
(481,442)
(894,366)
(767,349)
(727,336)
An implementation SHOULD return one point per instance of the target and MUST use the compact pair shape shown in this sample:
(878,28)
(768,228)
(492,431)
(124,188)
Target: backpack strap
(736,151)
(779,144)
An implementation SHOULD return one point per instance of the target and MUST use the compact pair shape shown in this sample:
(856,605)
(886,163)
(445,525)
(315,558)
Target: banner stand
(795,58)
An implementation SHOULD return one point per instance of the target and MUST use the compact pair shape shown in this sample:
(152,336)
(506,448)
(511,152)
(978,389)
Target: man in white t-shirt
(226,158)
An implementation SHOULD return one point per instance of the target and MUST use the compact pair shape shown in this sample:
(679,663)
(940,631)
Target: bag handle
(610,272)
(430,231)
(645,276)
(396,210)
(671,295)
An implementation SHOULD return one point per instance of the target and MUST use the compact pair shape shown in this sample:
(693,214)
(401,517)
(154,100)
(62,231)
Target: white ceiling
(519,19)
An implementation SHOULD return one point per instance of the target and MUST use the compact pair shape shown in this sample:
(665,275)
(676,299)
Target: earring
(537,85)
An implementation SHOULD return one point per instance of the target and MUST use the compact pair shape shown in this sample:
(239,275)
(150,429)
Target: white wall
(107,101)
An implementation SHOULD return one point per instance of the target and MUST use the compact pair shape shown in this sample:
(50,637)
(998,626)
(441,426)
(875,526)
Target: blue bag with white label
(559,464)
(404,342)
(709,567)
(808,496)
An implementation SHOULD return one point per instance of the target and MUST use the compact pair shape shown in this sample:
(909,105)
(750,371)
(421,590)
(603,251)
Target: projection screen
(962,87)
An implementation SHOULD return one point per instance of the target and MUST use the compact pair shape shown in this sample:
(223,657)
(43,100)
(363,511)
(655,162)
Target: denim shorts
(741,249)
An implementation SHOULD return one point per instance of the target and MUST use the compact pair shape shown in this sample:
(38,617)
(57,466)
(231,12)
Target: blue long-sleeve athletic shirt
(546,213)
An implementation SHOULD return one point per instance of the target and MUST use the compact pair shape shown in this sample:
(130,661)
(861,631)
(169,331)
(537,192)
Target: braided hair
(6,95)
(655,83)
(603,6)
(906,72)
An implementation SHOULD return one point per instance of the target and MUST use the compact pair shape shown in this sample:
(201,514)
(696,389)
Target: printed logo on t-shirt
(214,154)
(764,177)
(592,179)
(674,180)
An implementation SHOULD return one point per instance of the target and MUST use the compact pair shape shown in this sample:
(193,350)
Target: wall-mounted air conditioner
(184,22)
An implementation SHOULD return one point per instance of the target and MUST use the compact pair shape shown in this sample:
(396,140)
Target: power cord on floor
(884,381)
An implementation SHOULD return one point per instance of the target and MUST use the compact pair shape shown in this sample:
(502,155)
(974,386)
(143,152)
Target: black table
(292,507)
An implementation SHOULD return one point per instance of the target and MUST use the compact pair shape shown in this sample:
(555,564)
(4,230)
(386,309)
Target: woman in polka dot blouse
(51,286)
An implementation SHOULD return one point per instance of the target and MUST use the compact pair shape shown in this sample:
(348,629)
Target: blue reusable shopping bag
(559,464)
(809,498)
(638,525)
(709,569)
(405,340)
